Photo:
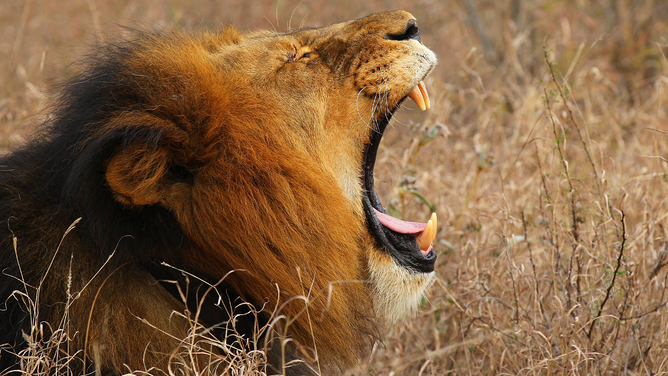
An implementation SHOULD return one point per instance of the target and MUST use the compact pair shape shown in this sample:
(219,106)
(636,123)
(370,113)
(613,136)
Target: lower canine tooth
(435,220)
(427,236)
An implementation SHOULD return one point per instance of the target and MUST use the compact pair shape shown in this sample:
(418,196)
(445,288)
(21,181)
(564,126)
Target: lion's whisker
(358,107)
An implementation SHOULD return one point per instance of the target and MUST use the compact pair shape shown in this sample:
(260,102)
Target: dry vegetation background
(544,155)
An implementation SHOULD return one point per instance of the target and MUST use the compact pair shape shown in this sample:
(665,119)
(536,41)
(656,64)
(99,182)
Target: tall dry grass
(544,155)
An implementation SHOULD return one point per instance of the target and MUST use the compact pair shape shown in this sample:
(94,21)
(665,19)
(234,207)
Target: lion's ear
(138,175)
(126,168)
(148,168)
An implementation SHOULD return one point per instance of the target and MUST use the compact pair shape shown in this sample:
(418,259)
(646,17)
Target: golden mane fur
(214,153)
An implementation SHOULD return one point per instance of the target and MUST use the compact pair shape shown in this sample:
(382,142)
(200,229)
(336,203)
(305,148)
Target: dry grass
(544,154)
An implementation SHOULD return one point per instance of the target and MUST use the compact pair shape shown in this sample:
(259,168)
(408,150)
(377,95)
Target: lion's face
(335,84)
(263,146)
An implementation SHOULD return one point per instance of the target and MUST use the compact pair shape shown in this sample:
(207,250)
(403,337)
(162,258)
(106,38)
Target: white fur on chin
(397,291)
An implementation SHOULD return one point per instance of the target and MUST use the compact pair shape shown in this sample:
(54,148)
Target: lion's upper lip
(409,243)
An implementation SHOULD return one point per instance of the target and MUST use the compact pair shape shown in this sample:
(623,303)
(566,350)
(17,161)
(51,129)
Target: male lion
(240,161)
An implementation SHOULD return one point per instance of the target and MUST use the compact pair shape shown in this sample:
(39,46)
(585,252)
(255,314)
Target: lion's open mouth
(409,243)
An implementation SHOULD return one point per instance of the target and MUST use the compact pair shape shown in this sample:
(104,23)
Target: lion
(211,173)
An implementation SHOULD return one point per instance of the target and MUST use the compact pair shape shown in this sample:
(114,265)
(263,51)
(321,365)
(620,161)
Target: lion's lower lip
(402,247)
(426,252)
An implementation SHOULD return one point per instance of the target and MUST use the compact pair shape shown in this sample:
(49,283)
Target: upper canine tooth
(416,95)
(425,95)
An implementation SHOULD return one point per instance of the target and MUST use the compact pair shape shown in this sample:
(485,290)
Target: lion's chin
(397,291)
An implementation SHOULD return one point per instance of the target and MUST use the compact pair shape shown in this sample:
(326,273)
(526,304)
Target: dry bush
(544,155)
(217,350)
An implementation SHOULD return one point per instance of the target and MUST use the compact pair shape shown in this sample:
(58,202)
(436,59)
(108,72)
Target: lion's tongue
(425,232)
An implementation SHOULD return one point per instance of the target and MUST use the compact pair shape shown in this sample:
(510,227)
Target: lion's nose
(411,32)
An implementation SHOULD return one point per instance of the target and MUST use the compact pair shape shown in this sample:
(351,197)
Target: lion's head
(247,152)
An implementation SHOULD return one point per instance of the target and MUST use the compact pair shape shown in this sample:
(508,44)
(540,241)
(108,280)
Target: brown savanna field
(544,155)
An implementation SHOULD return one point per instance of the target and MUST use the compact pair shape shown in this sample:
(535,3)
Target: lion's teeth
(426,238)
(435,220)
(425,95)
(416,95)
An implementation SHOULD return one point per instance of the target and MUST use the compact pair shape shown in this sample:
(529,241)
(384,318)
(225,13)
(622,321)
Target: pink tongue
(397,225)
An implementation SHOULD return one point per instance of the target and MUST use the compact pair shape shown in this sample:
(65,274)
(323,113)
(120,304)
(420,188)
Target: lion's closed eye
(300,54)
